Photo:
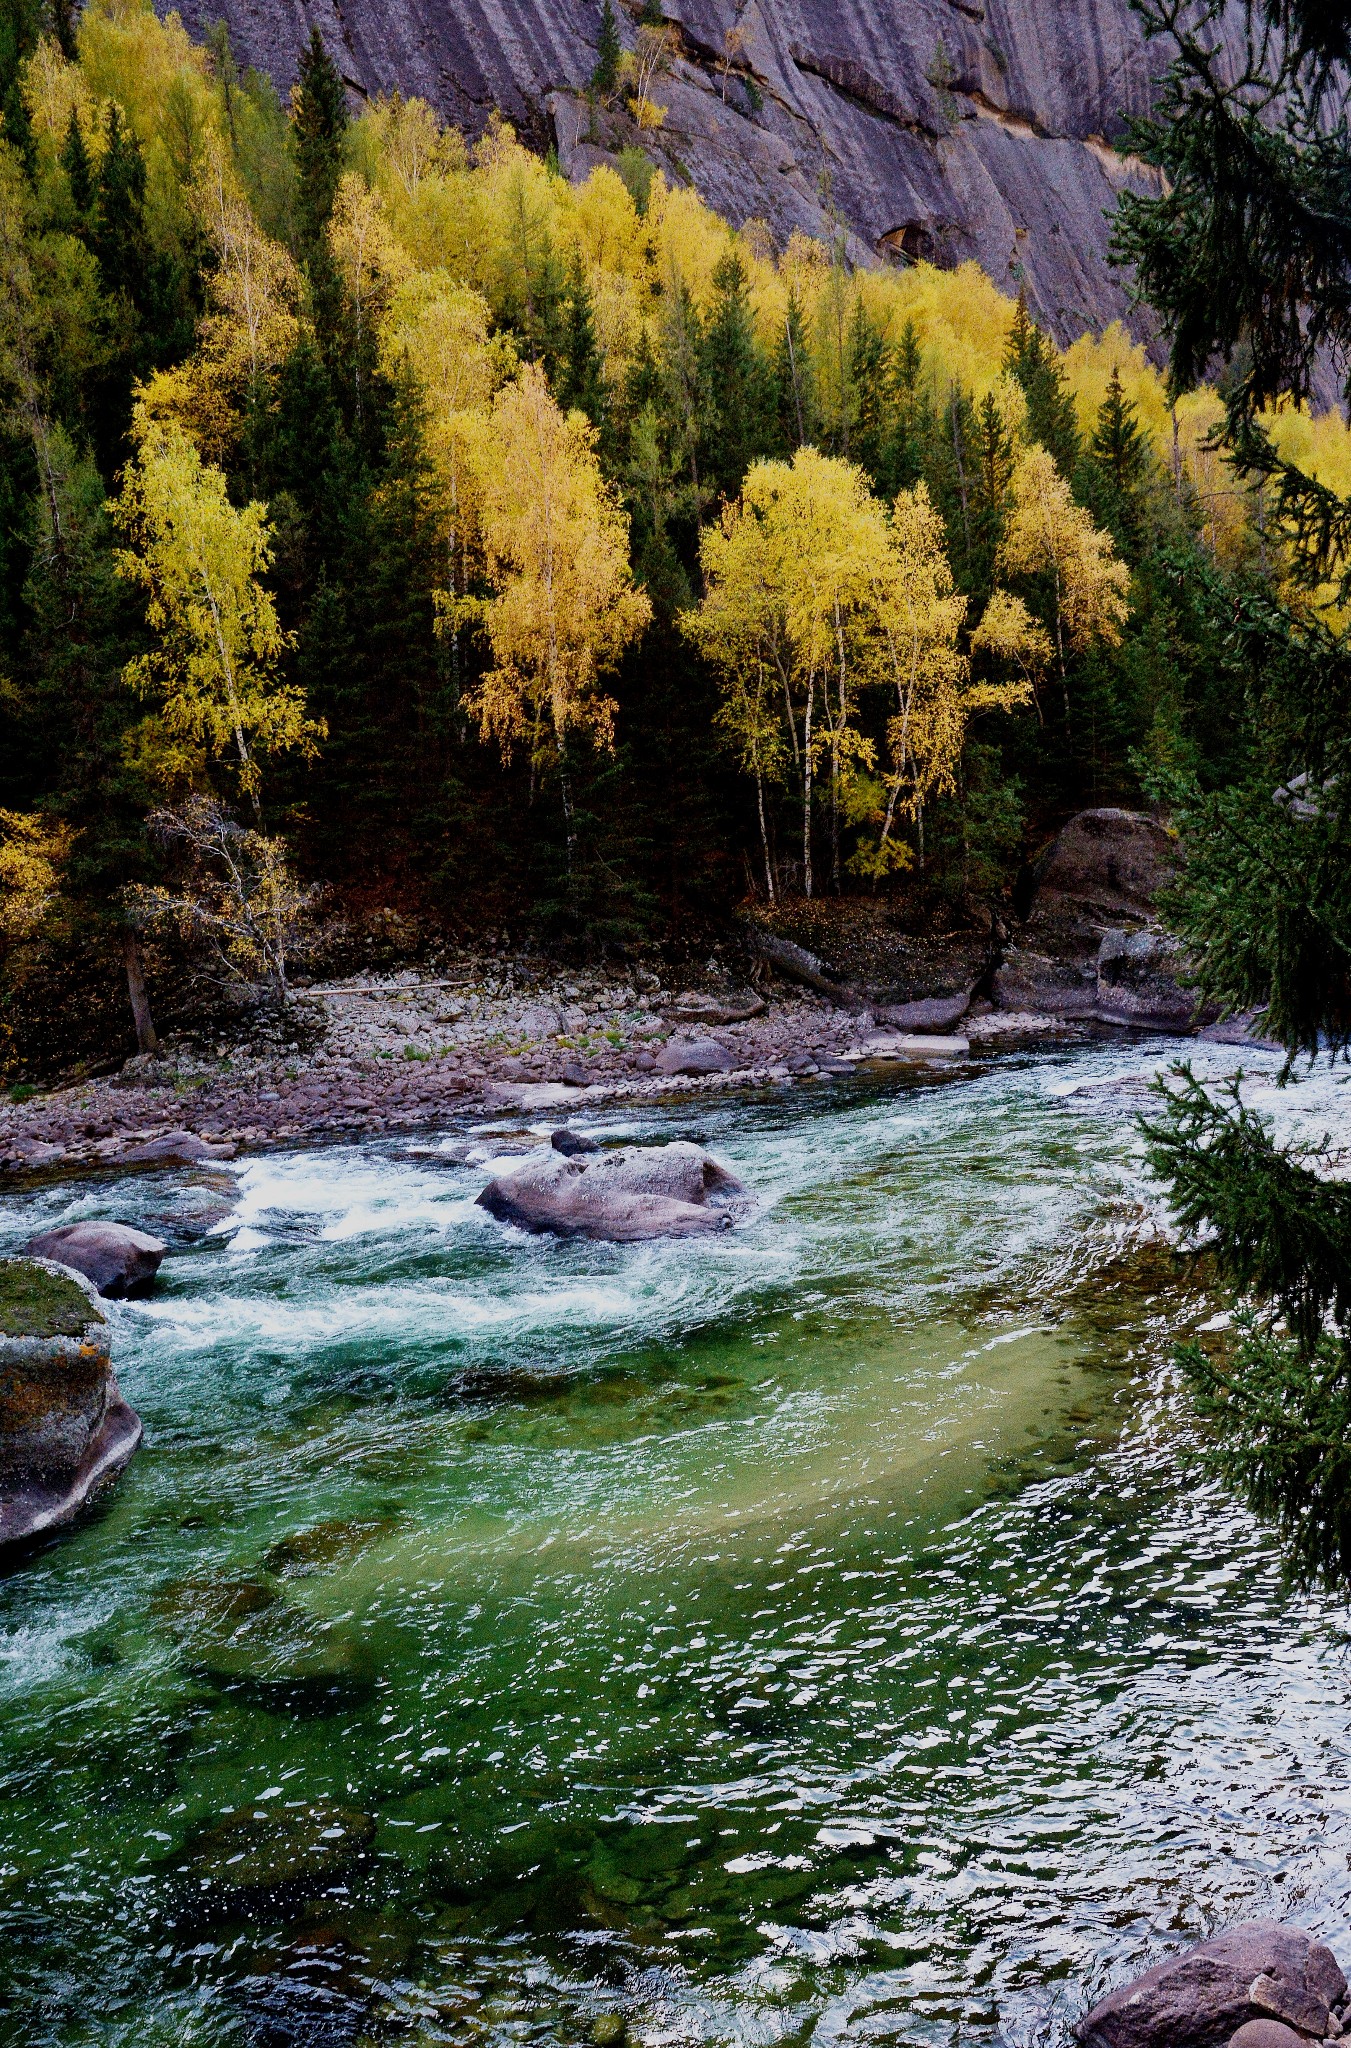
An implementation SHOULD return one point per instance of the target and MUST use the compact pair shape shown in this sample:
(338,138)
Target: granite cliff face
(939,128)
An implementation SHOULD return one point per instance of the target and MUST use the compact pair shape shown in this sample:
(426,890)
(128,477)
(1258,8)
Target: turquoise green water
(802,1635)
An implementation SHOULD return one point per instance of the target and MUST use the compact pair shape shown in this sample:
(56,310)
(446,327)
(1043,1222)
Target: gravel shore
(374,1054)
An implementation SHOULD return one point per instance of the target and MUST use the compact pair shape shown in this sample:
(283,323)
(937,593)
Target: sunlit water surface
(808,1633)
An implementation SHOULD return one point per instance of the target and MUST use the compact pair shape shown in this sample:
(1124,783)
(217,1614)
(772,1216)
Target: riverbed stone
(1257,1971)
(625,1196)
(65,1430)
(120,1261)
(175,1148)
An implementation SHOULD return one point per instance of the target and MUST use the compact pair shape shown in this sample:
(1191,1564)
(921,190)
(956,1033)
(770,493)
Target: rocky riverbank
(372,1054)
(392,1054)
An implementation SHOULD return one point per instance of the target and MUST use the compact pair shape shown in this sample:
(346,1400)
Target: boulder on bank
(1107,865)
(622,1197)
(119,1260)
(930,1013)
(1140,981)
(65,1430)
(1088,949)
(698,1056)
(1042,985)
(1257,1971)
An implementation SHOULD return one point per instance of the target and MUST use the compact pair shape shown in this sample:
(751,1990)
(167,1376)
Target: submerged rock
(119,1260)
(278,1847)
(1257,1971)
(65,1430)
(625,1196)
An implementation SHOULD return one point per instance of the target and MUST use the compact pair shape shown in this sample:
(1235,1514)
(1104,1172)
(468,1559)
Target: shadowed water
(804,1633)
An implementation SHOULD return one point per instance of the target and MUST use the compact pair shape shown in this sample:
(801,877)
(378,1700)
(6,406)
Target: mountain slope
(923,127)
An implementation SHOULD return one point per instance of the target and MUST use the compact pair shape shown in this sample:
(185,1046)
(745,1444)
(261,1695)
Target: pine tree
(909,413)
(792,388)
(119,236)
(1243,253)
(21,24)
(78,169)
(319,132)
(579,379)
(867,394)
(1117,462)
(990,487)
(1051,417)
(735,379)
(605,76)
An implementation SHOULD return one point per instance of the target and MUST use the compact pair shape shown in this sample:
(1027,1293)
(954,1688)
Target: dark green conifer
(793,392)
(909,414)
(21,24)
(580,383)
(119,236)
(1051,417)
(609,50)
(319,133)
(78,169)
(865,366)
(735,379)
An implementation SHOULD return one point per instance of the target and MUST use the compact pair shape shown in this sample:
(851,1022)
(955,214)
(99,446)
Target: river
(807,1633)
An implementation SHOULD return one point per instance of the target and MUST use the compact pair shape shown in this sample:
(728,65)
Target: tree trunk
(764,835)
(807,794)
(565,781)
(147,1038)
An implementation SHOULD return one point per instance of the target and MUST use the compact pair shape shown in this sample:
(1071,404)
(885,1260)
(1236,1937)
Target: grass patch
(36,1303)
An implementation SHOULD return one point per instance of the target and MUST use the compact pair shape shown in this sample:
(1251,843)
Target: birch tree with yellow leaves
(564,606)
(217,642)
(438,332)
(789,576)
(1049,536)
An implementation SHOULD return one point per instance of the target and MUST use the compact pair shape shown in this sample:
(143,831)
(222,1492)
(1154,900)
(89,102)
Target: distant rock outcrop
(931,128)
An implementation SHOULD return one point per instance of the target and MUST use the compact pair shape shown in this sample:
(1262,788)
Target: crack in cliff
(853,83)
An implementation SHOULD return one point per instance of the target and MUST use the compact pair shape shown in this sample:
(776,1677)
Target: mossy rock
(36,1302)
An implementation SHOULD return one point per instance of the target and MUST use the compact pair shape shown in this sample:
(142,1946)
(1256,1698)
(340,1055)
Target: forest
(390,528)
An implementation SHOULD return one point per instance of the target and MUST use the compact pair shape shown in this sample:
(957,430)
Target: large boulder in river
(119,1260)
(65,1430)
(1257,1971)
(676,1190)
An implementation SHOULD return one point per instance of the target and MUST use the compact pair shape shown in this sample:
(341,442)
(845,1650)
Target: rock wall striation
(943,129)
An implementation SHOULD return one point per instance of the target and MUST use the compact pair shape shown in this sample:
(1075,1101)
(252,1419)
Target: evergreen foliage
(1246,254)
(319,128)
(609,50)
